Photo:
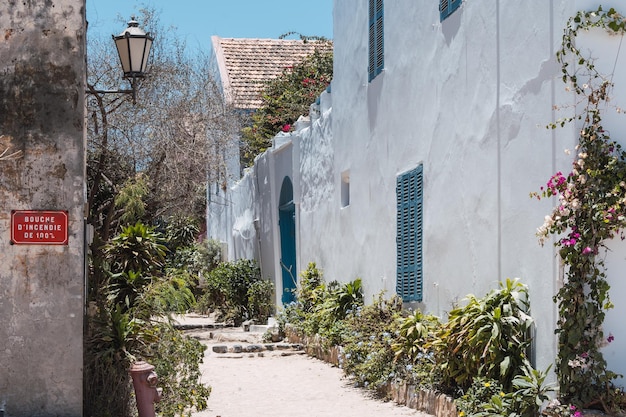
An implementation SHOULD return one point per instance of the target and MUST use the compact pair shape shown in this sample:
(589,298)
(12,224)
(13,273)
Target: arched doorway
(287,225)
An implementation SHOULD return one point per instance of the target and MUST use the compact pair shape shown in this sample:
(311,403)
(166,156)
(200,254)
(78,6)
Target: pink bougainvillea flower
(587,251)
(568,242)
(286,128)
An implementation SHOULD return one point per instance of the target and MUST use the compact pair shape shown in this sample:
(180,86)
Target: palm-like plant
(137,248)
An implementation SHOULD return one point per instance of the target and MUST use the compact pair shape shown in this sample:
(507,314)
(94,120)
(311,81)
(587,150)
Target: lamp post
(133,47)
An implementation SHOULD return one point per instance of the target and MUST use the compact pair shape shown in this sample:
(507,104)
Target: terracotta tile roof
(245,64)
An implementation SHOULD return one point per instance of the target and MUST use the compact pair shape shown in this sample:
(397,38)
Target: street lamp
(133,47)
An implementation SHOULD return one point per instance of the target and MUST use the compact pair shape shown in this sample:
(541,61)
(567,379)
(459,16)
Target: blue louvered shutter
(447,7)
(376,38)
(409,196)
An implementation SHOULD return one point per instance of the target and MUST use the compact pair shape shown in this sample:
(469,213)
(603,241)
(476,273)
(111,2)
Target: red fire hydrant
(145,383)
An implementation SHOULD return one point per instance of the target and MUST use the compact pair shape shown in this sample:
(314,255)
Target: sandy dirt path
(271,385)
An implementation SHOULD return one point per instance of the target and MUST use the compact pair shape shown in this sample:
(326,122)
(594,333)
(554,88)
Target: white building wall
(469,98)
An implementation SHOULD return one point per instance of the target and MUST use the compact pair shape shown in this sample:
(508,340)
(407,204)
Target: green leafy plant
(369,333)
(531,391)
(309,294)
(488,337)
(525,400)
(137,248)
(171,293)
(130,199)
(479,393)
(311,288)
(181,231)
(346,298)
(176,359)
(260,296)
(126,323)
(416,334)
(382,344)
(227,291)
(320,309)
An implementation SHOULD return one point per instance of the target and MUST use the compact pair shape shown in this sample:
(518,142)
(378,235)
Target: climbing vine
(591,209)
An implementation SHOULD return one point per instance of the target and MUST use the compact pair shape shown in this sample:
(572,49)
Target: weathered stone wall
(42,71)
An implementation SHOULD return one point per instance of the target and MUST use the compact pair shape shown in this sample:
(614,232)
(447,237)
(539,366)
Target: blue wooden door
(287,224)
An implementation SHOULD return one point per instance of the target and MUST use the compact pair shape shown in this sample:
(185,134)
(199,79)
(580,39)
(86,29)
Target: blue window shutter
(376,38)
(447,7)
(409,195)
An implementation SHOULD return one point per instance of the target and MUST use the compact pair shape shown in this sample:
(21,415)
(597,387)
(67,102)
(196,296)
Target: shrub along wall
(476,363)
(429,401)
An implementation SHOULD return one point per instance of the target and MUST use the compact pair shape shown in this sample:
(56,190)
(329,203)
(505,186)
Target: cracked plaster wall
(42,70)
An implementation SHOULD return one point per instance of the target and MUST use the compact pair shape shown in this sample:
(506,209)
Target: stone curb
(211,326)
(252,348)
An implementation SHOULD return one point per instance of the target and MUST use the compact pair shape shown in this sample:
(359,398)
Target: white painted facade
(469,99)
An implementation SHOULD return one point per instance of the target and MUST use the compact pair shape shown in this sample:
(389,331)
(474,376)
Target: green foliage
(116,339)
(320,308)
(487,337)
(480,351)
(131,200)
(137,248)
(231,286)
(198,259)
(260,296)
(530,391)
(346,298)
(125,324)
(286,98)
(171,293)
(180,232)
(479,393)
(487,397)
(311,288)
(591,210)
(107,385)
(417,333)
(123,288)
(368,340)
(179,378)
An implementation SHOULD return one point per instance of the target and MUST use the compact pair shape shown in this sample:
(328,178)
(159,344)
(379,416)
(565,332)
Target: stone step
(198,326)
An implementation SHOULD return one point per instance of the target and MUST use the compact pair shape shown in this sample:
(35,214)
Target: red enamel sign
(35,227)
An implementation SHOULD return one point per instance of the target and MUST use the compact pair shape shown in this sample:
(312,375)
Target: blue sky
(198,20)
